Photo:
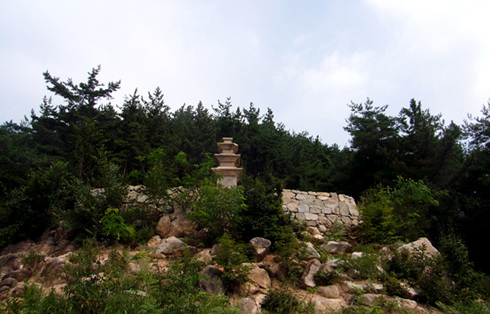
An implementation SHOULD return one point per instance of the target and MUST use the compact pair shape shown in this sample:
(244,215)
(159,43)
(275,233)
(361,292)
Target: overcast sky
(306,60)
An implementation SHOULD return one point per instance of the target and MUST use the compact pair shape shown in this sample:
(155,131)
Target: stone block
(346,220)
(326,210)
(315,209)
(300,216)
(344,209)
(292,207)
(305,197)
(309,216)
(353,212)
(331,203)
(303,208)
(318,202)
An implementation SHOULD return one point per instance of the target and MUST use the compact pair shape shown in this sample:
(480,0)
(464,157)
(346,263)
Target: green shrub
(113,226)
(377,217)
(399,212)
(394,287)
(29,209)
(218,208)
(337,232)
(179,292)
(231,256)
(365,267)
(326,278)
(283,301)
(264,216)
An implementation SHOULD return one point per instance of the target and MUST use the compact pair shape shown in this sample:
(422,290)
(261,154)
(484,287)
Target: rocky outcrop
(421,245)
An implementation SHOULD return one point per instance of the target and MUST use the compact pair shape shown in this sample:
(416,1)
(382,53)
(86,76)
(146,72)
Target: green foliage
(326,278)
(429,274)
(378,225)
(179,291)
(401,212)
(474,307)
(231,256)
(264,216)
(218,208)
(85,218)
(96,286)
(113,226)
(30,209)
(365,267)
(412,201)
(283,301)
(336,232)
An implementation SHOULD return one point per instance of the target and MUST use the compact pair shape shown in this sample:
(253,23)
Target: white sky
(306,60)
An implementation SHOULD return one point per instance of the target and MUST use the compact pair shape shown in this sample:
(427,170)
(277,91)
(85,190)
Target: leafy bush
(264,216)
(31,208)
(377,217)
(218,208)
(179,292)
(94,286)
(326,278)
(365,267)
(113,226)
(85,218)
(231,256)
(400,212)
(283,301)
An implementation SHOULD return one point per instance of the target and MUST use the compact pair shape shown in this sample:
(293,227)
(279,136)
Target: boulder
(18,275)
(248,306)
(368,299)
(170,246)
(212,282)
(164,226)
(307,278)
(356,255)
(310,251)
(154,241)
(334,247)
(204,256)
(421,244)
(260,277)
(325,305)
(261,246)
(10,261)
(352,287)
(9,282)
(329,292)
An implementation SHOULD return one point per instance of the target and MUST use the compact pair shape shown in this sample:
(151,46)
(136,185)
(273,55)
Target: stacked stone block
(321,209)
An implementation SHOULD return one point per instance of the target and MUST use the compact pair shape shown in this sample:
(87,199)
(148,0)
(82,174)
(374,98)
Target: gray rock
(170,246)
(212,283)
(310,251)
(248,306)
(260,277)
(307,278)
(368,298)
(334,247)
(261,246)
(421,244)
(303,208)
(329,292)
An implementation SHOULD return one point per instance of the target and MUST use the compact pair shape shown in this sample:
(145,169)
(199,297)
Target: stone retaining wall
(321,209)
